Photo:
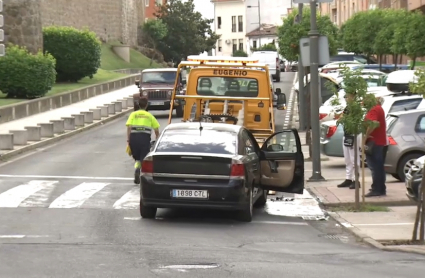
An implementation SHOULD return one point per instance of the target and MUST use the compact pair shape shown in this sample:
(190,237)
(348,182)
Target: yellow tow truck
(234,90)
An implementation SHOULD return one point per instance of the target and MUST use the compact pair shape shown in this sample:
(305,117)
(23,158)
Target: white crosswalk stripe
(16,195)
(130,200)
(76,196)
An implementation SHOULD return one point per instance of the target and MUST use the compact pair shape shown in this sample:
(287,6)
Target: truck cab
(157,86)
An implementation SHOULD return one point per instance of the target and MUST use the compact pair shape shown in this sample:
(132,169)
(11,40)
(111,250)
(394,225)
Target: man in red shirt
(375,160)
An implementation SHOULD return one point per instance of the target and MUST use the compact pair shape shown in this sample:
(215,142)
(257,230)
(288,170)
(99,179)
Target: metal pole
(314,93)
(259,23)
(302,111)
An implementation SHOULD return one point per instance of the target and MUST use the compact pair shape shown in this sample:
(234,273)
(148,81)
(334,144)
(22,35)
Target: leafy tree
(239,53)
(382,42)
(188,33)
(401,27)
(349,35)
(154,30)
(419,88)
(359,102)
(415,36)
(290,33)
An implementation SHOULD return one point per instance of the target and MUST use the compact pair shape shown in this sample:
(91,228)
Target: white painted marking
(347,225)
(13,197)
(280,223)
(132,218)
(65,177)
(384,224)
(41,197)
(188,266)
(76,196)
(130,200)
(36,236)
(12,236)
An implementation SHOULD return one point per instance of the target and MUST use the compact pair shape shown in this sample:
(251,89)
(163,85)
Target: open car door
(282,162)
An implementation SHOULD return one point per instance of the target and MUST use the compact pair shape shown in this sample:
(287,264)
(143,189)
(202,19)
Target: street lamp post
(259,20)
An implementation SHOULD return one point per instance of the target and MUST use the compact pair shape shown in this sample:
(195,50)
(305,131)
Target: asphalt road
(70,210)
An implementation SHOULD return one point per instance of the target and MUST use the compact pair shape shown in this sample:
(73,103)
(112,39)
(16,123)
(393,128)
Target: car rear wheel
(147,212)
(405,164)
(262,200)
(246,214)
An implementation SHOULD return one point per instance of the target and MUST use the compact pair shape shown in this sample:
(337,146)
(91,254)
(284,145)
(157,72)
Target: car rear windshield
(168,77)
(227,86)
(390,121)
(195,141)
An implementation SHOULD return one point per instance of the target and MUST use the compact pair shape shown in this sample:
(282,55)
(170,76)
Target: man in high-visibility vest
(140,125)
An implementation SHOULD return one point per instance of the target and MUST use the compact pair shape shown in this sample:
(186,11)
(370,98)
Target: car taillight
(237,170)
(331,131)
(322,115)
(147,167)
(391,140)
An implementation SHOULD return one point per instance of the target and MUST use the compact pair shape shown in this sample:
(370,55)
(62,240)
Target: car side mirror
(278,91)
(281,101)
(275,148)
(137,83)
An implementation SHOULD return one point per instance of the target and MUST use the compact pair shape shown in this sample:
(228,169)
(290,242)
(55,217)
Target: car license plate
(200,194)
(156,103)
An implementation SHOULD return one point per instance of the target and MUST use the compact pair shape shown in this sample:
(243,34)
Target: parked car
(413,179)
(218,166)
(324,80)
(386,68)
(406,134)
(270,58)
(337,65)
(347,56)
(331,134)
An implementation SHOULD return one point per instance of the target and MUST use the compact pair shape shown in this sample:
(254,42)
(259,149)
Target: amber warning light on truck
(223,59)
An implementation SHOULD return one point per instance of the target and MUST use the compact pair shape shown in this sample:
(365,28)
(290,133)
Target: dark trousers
(375,162)
(140,145)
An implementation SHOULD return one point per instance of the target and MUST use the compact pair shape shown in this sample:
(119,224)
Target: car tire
(147,212)
(402,164)
(246,214)
(179,111)
(262,200)
(396,176)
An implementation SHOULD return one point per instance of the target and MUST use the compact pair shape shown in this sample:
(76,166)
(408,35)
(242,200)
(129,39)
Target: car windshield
(195,141)
(227,86)
(371,81)
(168,77)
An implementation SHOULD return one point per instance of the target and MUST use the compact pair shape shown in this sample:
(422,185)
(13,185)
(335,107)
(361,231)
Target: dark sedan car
(218,166)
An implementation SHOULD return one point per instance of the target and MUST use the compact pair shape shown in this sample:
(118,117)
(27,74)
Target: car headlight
(145,93)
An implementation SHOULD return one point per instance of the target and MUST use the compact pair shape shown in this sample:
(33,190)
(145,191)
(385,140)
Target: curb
(361,236)
(386,204)
(68,134)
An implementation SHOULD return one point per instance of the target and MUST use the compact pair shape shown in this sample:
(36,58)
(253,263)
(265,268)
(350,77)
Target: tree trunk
(420,214)
(363,168)
(380,61)
(413,63)
(356,174)
(395,58)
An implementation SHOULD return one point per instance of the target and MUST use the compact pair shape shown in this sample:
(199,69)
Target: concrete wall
(111,20)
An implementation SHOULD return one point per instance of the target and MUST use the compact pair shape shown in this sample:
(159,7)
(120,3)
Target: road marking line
(40,198)
(23,236)
(280,223)
(76,196)
(130,200)
(13,197)
(65,177)
(384,224)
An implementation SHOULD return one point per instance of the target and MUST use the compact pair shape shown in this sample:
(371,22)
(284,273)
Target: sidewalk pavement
(384,230)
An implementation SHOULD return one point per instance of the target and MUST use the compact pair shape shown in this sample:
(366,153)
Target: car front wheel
(405,164)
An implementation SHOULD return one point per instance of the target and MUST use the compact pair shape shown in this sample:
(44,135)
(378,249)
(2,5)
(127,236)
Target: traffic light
(2,47)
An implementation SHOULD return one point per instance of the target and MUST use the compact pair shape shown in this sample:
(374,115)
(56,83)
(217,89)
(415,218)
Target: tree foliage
(415,36)
(188,33)
(239,53)
(266,47)
(290,33)
(154,30)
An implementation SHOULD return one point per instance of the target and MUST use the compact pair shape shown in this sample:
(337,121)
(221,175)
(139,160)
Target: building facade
(150,7)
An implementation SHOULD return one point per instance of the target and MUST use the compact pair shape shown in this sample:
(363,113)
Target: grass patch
(363,208)
(109,62)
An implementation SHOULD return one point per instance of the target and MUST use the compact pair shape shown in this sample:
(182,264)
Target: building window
(254,44)
(147,3)
(235,45)
(241,44)
(334,15)
(219,22)
(219,46)
(240,24)
(159,2)
(233,23)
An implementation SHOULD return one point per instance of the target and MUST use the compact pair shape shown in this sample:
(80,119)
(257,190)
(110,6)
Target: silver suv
(406,135)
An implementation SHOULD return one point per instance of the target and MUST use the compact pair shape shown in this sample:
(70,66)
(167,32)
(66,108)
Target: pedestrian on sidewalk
(348,150)
(140,125)
(375,149)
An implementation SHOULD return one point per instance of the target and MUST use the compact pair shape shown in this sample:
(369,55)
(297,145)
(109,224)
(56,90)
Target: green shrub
(77,52)
(24,75)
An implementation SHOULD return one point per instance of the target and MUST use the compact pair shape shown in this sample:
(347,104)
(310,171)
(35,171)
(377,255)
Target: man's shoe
(375,194)
(137,176)
(353,185)
(345,183)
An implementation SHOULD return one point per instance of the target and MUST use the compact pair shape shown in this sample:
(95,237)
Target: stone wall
(111,20)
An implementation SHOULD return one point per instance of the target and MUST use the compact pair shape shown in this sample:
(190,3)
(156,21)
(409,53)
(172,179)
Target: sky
(205,7)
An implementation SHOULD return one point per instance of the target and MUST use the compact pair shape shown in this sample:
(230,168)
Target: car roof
(408,112)
(160,70)
(206,126)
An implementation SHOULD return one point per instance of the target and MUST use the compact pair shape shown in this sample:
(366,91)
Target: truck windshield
(168,77)
(227,86)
